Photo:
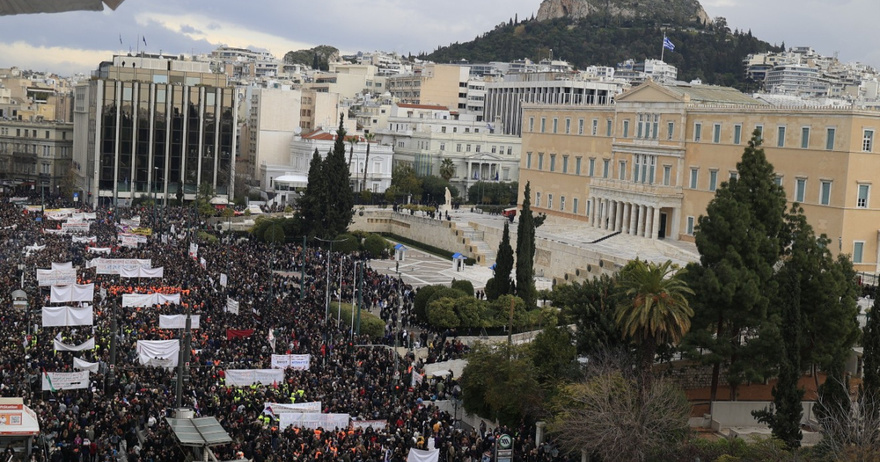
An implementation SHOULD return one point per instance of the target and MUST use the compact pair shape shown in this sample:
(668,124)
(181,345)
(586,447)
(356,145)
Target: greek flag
(668,44)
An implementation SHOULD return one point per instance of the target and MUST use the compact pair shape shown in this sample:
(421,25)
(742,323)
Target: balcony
(619,189)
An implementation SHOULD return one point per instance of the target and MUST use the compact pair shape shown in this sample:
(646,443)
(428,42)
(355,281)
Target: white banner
(313,420)
(177,321)
(57,316)
(65,380)
(159,353)
(281,408)
(62,266)
(295,362)
(112,265)
(84,240)
(75,228)
(73,293)
(231,306)
(418,455)
(56,277)
(85,365)
(248,377)
(132,222)
(223,279)
(128,240)
(104,250)
(149,299)
(377,425)
(142,272)
(193,250)
(88,345)
(83,216)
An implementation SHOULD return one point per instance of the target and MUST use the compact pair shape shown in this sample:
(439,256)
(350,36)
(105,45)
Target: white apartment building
(504,99)
(424,135)
(795,79)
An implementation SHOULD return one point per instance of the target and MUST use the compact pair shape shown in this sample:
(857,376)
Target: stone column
(634,219)
(620,215)
(627,217)
(641,229)
(607,224)
(655,230)
(539,433)
(591,217)
(649,221)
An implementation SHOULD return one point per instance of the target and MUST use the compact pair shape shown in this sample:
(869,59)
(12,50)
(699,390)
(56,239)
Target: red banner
(238,333)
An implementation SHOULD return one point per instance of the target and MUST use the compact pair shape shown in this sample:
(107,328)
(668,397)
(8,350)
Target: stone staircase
(474,244)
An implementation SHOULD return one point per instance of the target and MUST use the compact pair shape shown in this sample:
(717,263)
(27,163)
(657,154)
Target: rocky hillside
(660,11)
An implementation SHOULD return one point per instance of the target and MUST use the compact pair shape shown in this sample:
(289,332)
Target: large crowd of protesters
(121,415)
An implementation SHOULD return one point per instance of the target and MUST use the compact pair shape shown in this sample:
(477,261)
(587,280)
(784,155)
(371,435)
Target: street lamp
(327,294)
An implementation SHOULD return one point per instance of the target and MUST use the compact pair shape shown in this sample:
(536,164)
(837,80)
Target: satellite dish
(297,130)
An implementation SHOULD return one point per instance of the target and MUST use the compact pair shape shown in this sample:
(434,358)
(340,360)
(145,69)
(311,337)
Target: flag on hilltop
(668,44)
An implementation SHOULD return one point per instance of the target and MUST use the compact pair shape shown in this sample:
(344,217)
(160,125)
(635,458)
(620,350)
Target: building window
(577,166)
(780,137)
(858,250)
(562,203)
(543,124)
(537,199)
(805,137)
(606,166)
(667,173)
(825,192)
(595,130)
(477,148)
(733,175)
(716,133)
(574,206)
(442,146)
(531,124)
(592,167)
(458,147)
(589,207)
(698,132)
(800,188)
(864,194)
(555,124)
(670,130)
(540,161)
(580,126)
(643,168)
(549,201)
(528,160)
(868,141)
(608,126)
(778,180)
(564,164)
(829,139)
(626,128)
(567,126)
(468,148)
(621,170)
(760,130)
(694,173)
(737,133)
(690,226)
(656,126)
(640,125)
(552,163)
(713,180)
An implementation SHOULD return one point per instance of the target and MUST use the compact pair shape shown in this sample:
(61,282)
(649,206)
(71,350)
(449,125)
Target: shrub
(349,245)
(464,286)
(420,303)
(441,313)
(370,324)
(376,245)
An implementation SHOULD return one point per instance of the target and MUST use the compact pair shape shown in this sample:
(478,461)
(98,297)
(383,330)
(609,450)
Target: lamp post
(327,291)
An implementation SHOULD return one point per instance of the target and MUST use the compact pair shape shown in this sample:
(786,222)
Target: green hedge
(426,248)
(370,324)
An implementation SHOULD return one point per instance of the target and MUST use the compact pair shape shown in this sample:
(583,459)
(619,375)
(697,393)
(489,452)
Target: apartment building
(153,126)
(433,84)
(649,164)
(36,155)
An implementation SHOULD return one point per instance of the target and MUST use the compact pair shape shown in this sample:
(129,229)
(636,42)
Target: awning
(458,256)
(296,181)
(399,247)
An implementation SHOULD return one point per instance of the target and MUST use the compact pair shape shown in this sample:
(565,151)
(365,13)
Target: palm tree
(655,308)
(369,137)
(352,140)
(447,169)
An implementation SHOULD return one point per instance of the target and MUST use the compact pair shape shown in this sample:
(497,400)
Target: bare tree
(849,430)
(609,414)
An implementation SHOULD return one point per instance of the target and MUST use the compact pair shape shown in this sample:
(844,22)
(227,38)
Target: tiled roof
(423,106)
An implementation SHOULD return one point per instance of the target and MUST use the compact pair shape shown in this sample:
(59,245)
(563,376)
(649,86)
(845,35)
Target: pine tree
(340,199)
(525,252)
(501,283)
(739,240)
(314,198)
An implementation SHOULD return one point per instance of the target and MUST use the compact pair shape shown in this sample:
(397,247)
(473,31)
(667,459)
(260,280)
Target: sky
(67,43)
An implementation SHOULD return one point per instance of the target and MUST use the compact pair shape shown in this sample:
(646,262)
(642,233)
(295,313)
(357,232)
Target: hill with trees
(707,51)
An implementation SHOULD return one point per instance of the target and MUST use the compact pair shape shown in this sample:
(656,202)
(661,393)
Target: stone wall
(437,233)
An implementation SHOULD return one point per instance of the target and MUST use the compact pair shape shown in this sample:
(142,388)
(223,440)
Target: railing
(639,188)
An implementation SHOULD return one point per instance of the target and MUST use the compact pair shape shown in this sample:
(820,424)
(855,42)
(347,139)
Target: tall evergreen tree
(739,240)
(501,283)
(525,252)
(314,198)
(340,199)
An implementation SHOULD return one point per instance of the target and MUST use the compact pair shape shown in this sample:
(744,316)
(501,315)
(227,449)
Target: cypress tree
(501,283)
(340,199)
(314,198)
(525,252)
(870,389)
